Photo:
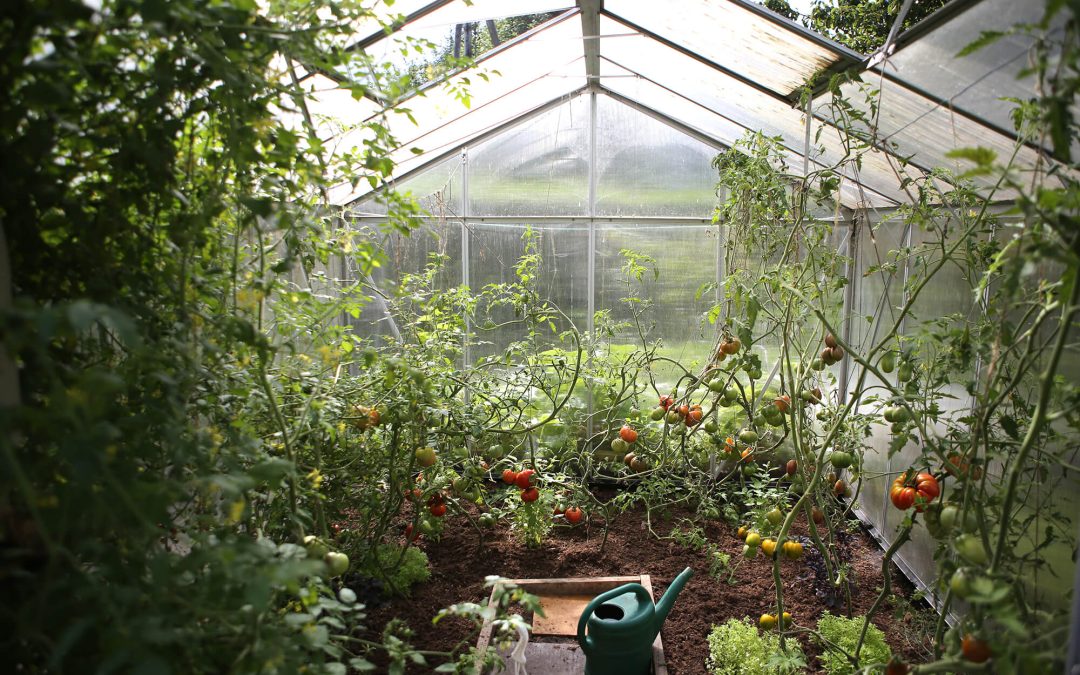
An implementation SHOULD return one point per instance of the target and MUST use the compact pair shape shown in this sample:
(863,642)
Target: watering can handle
(584,640)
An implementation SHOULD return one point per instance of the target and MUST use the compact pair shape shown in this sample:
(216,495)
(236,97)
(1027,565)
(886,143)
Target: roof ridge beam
(590,31)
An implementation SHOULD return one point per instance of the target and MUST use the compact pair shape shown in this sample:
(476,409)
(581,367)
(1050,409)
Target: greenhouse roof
(712,69)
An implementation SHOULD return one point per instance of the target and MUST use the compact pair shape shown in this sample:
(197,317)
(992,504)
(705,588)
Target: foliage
(862,25)
(737,648)
(403,567)
(841,636)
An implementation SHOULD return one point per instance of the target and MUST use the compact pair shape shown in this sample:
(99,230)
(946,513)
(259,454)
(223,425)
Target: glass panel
(877,296)
(733,36)
(919,128)
(980,81)
(453,13)
(704,120)
(551,56)
(418,45)
(494,250)
(481,10)
(334,109)
(460,130)
(647,168)
(539,167)
(409,254)
(735,100)
(438,189)
(686,257)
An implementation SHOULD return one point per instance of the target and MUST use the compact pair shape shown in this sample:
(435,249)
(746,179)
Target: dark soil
(461,560)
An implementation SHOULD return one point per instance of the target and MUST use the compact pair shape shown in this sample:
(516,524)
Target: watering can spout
(668,599)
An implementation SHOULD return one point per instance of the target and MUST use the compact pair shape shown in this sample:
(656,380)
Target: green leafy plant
(401,568)
(737,648)
(841,639)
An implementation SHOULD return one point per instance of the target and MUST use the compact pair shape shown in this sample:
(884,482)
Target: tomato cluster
(917,492)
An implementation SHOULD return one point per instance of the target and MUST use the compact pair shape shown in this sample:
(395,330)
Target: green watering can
(623,623)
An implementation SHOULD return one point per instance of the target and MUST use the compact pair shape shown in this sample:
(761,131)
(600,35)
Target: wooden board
(585,587)
(561,614)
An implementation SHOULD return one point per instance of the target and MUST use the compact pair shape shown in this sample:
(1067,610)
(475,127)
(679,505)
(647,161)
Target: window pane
(686,257)
(494,251)
(539,167)
(756,48)
(647,168)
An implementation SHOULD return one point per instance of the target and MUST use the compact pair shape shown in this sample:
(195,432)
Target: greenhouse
(546,336)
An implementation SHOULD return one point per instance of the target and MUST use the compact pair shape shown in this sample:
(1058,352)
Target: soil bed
(461,560)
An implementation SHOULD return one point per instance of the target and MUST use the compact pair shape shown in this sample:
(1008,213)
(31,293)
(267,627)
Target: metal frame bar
(465,247)
(560,220)
(939,18)
(590,31)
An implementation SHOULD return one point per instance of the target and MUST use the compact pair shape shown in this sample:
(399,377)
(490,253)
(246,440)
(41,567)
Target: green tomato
(775,516)
(905,372)
(748,470)
(887,363)
(754,374)
(337,563)
(947,518)
(678,429)
(711,427)
(748,436)
(672,417)
(731,394)
(817,364)
(657,414)
(486,520)
(316,548)
(970,548)
(716,386)
(840,459)
(619,445)
(960,583)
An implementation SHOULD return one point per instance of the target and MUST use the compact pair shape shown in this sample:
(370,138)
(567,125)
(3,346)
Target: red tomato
(438,510)
(666,401)
(791,467)
(410,534)
(683,410)
(782,403)
(902,497)
(974,649)
(574,515)
(694,416)
(435,499)
(526,479)
(628,434)
(927,486)
(530,494)
(509,476)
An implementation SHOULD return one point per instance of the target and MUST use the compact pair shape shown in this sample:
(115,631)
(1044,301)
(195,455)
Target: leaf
(363,665)
(980,156)
(986,38)
(446,668)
